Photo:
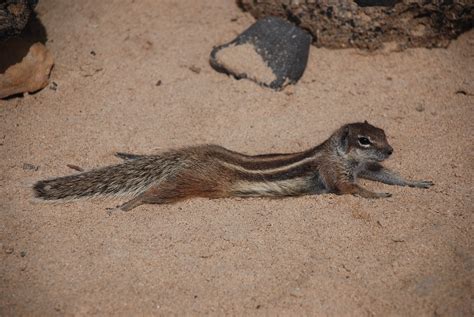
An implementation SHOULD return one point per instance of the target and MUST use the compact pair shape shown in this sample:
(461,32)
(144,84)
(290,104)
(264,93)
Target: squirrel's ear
(345,138)
(365,121)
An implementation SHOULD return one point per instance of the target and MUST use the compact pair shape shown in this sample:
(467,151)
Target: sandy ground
(411,254)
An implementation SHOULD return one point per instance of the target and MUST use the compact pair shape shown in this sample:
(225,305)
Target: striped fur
(213,171)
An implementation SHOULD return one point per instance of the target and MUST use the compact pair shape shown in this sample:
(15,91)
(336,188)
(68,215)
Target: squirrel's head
(363,142)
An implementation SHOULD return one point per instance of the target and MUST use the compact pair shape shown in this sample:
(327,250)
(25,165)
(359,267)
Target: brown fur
(215,172)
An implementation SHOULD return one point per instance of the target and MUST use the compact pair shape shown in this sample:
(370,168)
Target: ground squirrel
(353,151)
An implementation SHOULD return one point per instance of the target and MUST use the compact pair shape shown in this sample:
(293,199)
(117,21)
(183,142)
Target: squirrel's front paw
(422,184)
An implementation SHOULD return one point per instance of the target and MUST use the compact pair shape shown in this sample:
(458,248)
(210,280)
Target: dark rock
(369,23)
(14,15)
(283,47)
(376,3)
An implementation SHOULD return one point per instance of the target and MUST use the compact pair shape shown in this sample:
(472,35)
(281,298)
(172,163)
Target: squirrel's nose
(389,150)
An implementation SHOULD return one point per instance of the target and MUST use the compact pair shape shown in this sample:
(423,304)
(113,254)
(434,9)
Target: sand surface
(244,59)
(411,254)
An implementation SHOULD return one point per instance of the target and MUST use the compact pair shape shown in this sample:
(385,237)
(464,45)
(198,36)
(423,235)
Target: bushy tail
(129,178)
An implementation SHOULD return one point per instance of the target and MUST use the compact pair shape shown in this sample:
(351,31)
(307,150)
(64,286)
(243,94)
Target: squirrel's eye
(364,141)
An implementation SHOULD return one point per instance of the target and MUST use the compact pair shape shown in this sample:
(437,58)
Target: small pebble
(296,292)
(195,69)
(398,240)
(289,91)
(158,83)
(30,167)
(463,92)
(9,250)
(420,108)
(75,167)
(23,254)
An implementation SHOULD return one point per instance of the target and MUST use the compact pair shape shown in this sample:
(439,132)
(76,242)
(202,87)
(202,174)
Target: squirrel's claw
(422,184)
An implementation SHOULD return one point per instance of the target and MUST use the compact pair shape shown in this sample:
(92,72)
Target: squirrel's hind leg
(135,202)
(154,195)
